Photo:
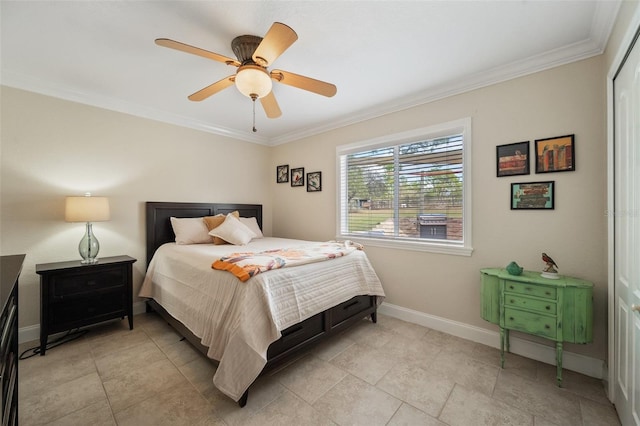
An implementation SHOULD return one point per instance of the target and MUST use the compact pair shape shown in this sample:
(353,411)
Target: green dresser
(560,310)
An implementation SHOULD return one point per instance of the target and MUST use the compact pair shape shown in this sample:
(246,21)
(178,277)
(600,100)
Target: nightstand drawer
(530,289)
(73,283)
(110,304)
(529,322)
(544,306)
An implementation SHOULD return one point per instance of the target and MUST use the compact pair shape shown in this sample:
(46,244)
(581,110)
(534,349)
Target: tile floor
(389,373)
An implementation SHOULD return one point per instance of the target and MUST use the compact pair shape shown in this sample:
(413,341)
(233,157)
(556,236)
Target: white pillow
(190,230)
(252,224)
(233,231)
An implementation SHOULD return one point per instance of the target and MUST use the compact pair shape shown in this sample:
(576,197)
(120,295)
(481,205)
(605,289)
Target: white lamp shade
(253,80)
(86,209)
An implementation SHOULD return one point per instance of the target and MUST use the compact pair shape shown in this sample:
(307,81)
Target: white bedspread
(238,320)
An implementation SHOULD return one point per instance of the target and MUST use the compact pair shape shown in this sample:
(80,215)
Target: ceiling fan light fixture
(253,81)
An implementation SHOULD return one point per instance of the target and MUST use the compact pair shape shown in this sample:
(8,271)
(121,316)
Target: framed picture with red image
(512,159)
(556,154)
(297,176)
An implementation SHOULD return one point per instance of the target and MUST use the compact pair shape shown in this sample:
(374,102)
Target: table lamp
(87,209)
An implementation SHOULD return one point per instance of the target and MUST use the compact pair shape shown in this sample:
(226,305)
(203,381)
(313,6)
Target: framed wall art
(297,176)
(314,182)
(282,173)
(556,154)
(512,159)
(533,195)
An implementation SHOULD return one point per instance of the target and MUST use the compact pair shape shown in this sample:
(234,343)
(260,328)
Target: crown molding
(31,84)
(603,21)
(561,56)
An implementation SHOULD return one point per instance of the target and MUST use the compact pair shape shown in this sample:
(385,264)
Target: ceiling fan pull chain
(253,98)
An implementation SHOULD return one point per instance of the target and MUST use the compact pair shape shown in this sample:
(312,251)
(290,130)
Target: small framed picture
(297,176)
(512,159)
(314,181)
(556,154)
(533,195)
(282,173)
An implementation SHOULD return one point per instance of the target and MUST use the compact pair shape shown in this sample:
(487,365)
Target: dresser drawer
(350,308)
(529,303)
(8,329)
(530,289)
(529,322)
(88,309)
(78,282)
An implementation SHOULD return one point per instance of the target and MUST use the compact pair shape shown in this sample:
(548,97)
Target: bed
(262,327)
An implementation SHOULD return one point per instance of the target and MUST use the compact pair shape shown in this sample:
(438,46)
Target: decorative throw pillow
(213,222)
(233,231)
(252,224)
(190,230)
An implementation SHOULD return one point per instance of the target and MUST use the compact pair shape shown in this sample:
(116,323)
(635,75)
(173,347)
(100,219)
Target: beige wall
(564,100)
(52,148)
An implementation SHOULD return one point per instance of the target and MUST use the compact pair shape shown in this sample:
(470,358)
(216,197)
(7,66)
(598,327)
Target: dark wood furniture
(10,268)
(74,295)
(295,339)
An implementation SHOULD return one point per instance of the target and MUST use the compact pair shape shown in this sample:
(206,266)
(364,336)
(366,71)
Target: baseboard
(139,308)
(28,334)
(571,361)
(32,333)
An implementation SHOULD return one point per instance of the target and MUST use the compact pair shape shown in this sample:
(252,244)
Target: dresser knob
(548,307)
(512,301)
(547,326)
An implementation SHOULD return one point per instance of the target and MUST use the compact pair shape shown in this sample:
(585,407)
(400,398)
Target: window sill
(429,247)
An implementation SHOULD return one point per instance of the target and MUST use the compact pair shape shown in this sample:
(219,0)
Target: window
(409,190)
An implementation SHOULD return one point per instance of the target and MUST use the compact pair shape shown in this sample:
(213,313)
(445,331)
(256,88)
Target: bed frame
(295,339)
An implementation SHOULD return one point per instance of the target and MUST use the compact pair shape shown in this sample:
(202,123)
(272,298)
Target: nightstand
(74,295)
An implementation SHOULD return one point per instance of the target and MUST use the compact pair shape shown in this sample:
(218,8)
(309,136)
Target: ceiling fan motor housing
(244,46)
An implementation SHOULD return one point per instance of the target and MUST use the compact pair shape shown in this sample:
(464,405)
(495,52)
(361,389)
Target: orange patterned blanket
(248,264)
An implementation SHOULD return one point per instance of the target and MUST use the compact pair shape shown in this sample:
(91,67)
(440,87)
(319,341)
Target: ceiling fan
(252,78)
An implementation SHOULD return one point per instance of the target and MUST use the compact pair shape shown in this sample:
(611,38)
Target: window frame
(460,126)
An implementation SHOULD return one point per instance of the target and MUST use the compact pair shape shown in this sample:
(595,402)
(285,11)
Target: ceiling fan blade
(275,42)
(270,105)
(212,89)
(165,42)
(304,83)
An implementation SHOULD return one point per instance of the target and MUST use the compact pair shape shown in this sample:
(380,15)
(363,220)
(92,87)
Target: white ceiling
(383,56)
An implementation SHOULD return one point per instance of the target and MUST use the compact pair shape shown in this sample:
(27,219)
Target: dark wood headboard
(158,214)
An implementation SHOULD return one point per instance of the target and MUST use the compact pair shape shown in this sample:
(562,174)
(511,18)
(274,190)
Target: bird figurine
(550,264)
